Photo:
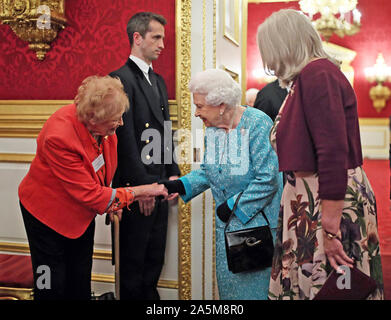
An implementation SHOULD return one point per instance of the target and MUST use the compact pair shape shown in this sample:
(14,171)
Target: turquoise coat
(242,160)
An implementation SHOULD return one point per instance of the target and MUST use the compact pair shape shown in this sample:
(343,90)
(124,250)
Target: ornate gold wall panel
(25,118)
(14,247)
(183,72)
(16,157)
(108,278)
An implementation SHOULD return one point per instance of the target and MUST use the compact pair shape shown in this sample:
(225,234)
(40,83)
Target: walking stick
(116,255)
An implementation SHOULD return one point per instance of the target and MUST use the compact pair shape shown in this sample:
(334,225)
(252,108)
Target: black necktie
(152,79)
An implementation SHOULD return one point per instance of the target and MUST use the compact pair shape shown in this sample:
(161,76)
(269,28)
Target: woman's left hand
(335,253)
(172,196)
(331,220)
(224,212)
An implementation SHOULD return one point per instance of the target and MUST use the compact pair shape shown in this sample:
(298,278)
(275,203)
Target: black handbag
(249,249)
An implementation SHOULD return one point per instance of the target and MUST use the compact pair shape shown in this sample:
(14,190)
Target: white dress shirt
(144,67)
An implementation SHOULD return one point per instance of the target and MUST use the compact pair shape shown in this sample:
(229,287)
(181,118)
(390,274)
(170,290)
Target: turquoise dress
(241,160)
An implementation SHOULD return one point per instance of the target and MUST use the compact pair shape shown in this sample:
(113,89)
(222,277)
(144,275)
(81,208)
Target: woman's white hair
(217,86)
(288,42)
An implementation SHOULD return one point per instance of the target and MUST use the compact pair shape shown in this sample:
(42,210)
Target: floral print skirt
(300,266)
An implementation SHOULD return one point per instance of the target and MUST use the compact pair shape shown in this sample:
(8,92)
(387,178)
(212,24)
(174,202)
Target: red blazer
(62,189)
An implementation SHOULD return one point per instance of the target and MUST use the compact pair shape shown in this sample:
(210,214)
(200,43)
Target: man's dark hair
(140,23)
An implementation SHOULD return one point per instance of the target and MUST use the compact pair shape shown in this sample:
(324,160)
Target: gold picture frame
(232,73)
(231,21)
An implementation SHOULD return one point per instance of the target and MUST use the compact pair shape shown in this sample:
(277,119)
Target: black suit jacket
(145,113)
(270,98)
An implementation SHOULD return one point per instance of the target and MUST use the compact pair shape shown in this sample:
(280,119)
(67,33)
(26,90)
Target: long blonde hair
(288,42)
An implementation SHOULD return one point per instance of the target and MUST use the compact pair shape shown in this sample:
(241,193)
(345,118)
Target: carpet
(378,172)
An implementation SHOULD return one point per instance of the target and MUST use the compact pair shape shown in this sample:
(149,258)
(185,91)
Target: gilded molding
(214,32)
(244,48)
(374,122)
(16,157)
(214,284)
(17,247)
(7,293)
(109,278)
(214,203)
(231,35)
(183,72)
(14,247)
(25,118)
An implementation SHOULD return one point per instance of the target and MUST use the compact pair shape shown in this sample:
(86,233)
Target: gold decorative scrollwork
(183,71)
(34,21)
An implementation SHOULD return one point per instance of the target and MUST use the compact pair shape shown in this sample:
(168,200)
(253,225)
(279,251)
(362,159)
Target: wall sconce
(379,73)
(336,16)
(34,21)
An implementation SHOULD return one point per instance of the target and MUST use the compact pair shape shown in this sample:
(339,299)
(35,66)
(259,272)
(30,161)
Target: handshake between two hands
(162,192)
(165,190)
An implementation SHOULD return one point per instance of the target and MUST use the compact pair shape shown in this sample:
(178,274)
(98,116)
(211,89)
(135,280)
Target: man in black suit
(270,98)
(144,156)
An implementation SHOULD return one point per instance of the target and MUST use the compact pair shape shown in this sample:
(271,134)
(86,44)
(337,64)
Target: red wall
(93,42)
(374,37)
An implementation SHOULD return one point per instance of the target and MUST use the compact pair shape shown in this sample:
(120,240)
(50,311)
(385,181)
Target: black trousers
(61,266)
(142,248)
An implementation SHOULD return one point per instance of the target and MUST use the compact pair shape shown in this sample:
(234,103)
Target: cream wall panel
(170,268)
(203,57)
(228,54)
(11,226)
(103,267)
(99,288)
(197,64)
(17,145)
(102,238)
(375,140)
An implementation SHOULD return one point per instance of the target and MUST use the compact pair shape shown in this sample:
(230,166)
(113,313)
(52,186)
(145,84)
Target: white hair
(217,86)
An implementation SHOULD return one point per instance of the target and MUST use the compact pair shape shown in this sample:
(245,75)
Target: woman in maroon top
(328,210)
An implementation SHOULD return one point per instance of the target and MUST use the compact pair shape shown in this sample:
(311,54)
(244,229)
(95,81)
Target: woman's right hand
(148,191)
(125,196)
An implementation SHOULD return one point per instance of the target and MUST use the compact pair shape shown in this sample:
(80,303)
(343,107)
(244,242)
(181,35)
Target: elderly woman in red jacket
(68,184)
(328,210)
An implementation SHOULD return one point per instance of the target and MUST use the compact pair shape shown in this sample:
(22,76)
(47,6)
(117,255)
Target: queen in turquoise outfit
(238,158)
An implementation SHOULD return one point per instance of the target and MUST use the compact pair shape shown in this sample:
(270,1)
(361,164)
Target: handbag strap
(234,208)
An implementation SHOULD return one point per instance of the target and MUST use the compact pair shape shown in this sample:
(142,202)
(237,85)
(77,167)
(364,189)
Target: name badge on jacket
(98,162)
